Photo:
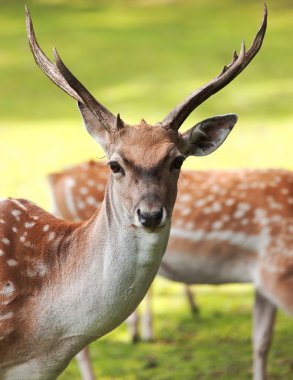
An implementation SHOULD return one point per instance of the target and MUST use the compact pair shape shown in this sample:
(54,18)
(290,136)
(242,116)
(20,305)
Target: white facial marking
(45,228)
(12,262)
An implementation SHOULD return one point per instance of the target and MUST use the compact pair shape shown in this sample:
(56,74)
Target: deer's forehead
(145,145)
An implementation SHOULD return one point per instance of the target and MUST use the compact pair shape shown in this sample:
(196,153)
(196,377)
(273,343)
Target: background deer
(65,284)
(223,230)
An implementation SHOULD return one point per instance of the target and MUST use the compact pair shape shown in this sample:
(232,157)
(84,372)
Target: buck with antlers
(223,227)
(65,284)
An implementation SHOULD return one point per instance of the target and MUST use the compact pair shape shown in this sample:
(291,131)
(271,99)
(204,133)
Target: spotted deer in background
(227,227)
(64,284)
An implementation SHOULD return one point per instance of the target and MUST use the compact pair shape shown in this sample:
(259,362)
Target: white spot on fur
(178,222)
(229,202)
(189,225)
(12,262)
(90,200)
(30,273)
(185,198)
(200,203)
(83,190)
(45,228)
(14,229)
(1,252)
(19,204)
(100,187)
(285,191)
(80,204)
(7,289)
(2,221)
(225,218)
(91,182)
(216,207)
(29,224)
(6,316)
(5,241)
(185,211)
(16,214)
(41,269)
(217,225)
(22,239)
(51,236)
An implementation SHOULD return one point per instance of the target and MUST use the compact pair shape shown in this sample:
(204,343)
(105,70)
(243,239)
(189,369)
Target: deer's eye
(177,163)
(115,167)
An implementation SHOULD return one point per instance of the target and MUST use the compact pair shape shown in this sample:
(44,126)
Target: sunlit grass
(215,344)
(140,58)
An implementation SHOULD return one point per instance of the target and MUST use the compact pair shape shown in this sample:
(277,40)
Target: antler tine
(177,116)
(101,112)
(65,80)
(43,61)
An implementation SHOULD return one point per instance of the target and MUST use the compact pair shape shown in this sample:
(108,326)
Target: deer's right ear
(94,127)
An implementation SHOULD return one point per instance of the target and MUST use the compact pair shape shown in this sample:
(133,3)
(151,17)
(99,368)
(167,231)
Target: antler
(64,79)
(177,116)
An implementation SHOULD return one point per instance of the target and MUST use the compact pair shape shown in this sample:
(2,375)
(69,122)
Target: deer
(221,222)
(65,284)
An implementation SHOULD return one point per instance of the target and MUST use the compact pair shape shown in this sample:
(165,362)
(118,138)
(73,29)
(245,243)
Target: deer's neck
(111,264)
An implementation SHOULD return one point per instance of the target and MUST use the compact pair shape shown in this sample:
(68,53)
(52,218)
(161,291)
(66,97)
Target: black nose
(150,220)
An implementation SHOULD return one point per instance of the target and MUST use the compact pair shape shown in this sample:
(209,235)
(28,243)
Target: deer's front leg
(85,365)
(264,315)
(133,326)
(147,318)
(190,297)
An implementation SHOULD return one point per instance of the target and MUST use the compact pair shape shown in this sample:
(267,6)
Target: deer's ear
(206,136)
(94,127)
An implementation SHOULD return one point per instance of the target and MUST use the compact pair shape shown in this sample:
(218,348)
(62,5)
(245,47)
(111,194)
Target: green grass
(216,344)
(140,58)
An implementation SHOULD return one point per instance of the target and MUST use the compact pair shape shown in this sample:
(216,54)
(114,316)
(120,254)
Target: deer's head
(146,159)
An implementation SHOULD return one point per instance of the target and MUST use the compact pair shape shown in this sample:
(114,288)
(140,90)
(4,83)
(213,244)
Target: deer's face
(145,162)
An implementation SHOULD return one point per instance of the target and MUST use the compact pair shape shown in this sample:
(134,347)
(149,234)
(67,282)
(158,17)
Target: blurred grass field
(141,58)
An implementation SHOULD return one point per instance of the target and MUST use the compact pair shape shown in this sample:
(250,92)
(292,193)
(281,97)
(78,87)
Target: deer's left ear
(206,136)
